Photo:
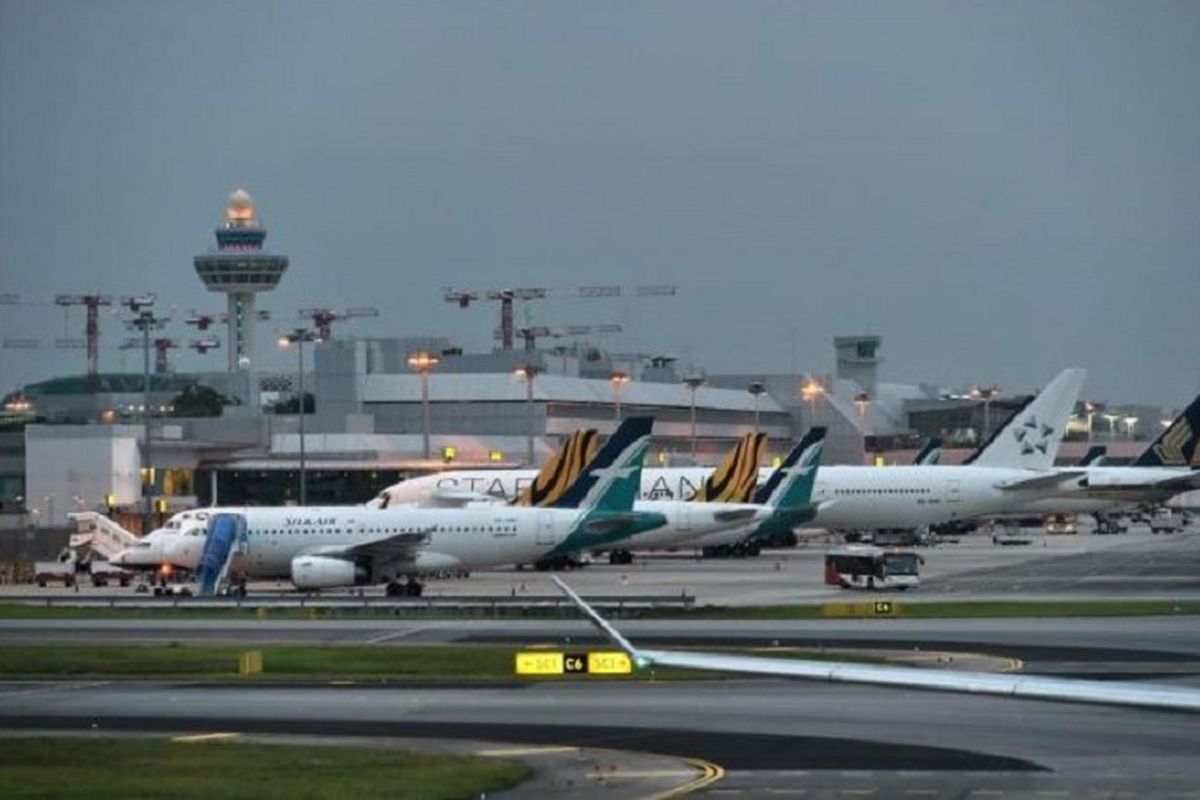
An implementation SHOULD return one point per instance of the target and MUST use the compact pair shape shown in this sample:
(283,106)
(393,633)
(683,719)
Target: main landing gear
(410,588)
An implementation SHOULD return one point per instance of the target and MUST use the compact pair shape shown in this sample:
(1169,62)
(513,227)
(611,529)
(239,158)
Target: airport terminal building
(84,447)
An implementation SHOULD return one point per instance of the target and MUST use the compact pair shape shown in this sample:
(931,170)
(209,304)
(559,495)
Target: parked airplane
(726,504)
(1169,466)
(1010,471)
(1073,690)
(322,547)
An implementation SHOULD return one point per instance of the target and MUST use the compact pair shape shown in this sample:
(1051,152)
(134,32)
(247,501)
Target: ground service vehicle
(866,567)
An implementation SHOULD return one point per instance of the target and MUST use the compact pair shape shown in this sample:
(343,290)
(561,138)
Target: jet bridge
(223,557)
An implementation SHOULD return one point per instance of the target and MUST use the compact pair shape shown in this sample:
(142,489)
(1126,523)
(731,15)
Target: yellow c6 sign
(550,663)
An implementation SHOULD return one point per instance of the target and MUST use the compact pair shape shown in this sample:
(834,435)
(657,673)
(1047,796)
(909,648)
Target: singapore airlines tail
(1122,693)
(561,470)
(1176,446)
(733,481)
(1030,438)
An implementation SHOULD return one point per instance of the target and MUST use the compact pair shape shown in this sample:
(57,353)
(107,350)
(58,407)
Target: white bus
(866,567)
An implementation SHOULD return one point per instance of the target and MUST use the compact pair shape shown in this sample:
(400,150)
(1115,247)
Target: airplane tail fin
(734,480)
(611,480)
(791,484)
(930,454)
(1094,455)
(1031,437)
(561,470)
(1175,446)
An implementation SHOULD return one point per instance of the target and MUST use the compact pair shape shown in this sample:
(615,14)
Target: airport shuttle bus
(866,567)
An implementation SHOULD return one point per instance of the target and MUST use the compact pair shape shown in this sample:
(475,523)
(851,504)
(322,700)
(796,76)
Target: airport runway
(773,738)
(770,736)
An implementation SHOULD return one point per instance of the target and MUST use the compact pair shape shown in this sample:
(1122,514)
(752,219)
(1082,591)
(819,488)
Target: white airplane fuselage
(850,497)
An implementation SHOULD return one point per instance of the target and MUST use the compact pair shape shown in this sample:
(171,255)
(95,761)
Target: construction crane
(202,346)
(507,298)
(203,322)
(162,346)
(323,318)
(530,334)
(93,303)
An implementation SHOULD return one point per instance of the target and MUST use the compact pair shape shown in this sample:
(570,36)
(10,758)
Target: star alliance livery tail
(1030,438)
(734,480)
(1176,446)
(611,480)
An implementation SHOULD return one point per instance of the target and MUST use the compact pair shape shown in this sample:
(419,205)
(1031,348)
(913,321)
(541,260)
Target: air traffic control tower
(241,269)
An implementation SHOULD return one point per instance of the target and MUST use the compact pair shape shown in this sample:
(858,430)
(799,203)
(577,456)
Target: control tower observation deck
(241,269)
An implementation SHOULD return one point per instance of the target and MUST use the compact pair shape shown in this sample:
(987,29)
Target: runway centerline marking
(404,634)
(525,751)
(205,737)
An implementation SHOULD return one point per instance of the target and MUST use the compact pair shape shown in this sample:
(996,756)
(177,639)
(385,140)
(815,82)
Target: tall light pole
(1089,410)
(810,390)
(298,337)
(422,362)
(693,382)
(1112,424)
(1130,422)
(528,372)
(987,394)
(144,321)
(619,379)
(862,402)
(756,389)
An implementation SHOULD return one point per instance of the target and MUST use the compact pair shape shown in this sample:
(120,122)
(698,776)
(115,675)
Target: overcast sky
(998,189)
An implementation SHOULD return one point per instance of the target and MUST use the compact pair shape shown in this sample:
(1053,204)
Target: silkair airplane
(1034,687)
(325,547)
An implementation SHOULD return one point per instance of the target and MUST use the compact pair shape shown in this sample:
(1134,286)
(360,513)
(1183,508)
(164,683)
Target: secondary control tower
(241,269)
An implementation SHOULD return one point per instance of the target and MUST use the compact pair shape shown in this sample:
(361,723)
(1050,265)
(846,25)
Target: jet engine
(321,572)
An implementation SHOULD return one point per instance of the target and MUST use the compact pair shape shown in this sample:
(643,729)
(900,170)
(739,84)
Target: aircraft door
(683,517)
(545,528)
(953,492)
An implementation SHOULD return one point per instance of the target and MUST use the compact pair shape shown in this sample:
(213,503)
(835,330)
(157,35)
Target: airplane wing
(1046,482)
(614,521)
(455,498)
(1123,693)
(395,547)
(1184,483)
(735,515)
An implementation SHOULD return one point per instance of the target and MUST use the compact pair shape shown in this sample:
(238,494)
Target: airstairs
(223,558)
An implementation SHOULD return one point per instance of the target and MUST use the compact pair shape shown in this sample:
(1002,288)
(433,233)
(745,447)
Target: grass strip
(907,607)
(972,609)
(118,769)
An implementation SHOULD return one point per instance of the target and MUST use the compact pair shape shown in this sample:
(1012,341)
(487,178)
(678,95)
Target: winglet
(602,624)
